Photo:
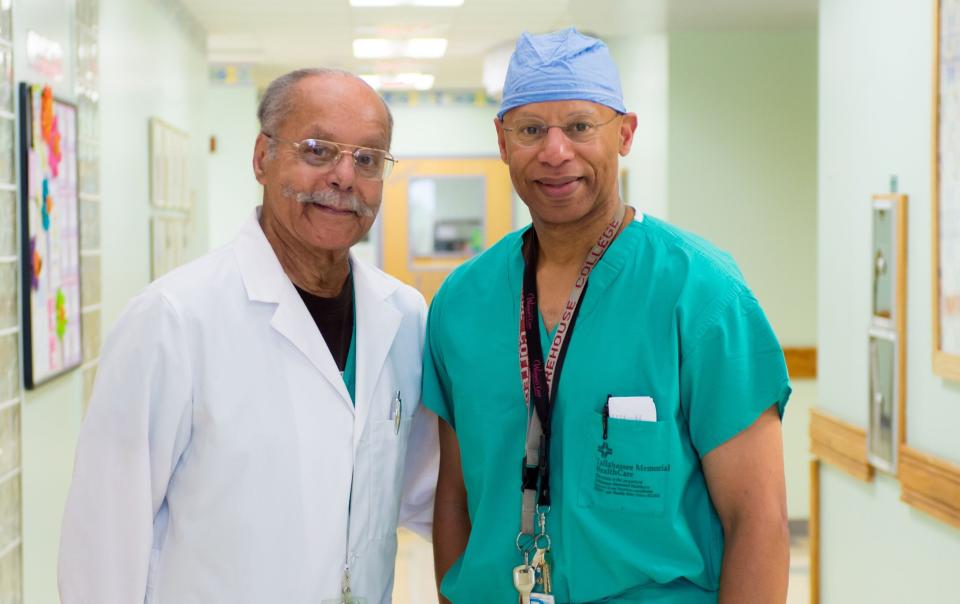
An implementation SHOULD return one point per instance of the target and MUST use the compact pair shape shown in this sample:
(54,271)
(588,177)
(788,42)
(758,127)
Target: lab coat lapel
(378,321)
(265,281)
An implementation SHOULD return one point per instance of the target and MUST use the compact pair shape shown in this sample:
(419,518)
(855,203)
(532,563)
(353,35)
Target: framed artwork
(946,191)
(169,154)
(169,240)
(50,235)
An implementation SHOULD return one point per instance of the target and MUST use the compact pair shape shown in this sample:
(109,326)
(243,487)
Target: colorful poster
(946,192)
(50,235)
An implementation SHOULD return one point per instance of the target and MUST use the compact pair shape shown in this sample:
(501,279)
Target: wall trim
(801,362)
(841,444)
(930,484)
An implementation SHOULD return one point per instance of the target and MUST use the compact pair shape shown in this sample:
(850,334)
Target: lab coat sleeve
(135,431)
(420,477)
(422,465)
(436,382)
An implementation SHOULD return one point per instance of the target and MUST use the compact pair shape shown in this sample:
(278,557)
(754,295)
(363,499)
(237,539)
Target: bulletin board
(946,191)
(50,235)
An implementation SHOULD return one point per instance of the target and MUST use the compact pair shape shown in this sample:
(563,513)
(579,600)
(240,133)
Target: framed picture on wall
(946,192)
(170,240)
(50,235)
(169,157)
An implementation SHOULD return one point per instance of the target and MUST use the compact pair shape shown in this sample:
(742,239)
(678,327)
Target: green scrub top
(350,367)
(665,315)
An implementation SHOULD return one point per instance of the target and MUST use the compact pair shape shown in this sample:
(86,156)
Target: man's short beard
(345,202)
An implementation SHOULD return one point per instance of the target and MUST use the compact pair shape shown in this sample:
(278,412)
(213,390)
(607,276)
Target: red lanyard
(539,378)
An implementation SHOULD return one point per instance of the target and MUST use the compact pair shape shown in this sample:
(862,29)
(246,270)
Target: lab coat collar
(377,319)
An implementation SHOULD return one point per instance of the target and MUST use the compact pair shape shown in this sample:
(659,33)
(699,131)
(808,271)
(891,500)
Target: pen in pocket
(397,412)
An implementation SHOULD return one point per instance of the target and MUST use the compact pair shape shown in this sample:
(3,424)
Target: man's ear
(261,150)
(501,138)
(628,127)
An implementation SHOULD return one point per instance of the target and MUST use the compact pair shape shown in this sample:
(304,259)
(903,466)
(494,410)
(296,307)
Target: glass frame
(416,261)
(883,395)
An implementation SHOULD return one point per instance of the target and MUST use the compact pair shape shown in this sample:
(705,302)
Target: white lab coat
(216,458)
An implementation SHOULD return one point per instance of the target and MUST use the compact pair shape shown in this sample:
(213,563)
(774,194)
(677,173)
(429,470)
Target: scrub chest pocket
(629,470)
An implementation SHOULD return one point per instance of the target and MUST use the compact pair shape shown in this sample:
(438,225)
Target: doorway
(438,213)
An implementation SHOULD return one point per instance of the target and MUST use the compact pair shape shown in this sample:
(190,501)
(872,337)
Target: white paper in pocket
(640,408)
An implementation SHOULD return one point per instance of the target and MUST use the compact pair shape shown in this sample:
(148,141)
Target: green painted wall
(233,190)
(875,116)
(642,62)
(742,173)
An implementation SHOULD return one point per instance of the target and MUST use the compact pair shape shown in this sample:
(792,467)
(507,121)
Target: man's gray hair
(278,99)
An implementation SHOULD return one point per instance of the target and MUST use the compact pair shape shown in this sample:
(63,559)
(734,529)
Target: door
(437,213)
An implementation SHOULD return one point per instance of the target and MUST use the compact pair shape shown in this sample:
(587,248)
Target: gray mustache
(345,202)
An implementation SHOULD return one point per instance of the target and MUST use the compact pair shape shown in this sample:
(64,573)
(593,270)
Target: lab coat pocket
(388,447)
(629,470)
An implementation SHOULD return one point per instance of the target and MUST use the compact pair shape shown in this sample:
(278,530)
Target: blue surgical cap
(561,66)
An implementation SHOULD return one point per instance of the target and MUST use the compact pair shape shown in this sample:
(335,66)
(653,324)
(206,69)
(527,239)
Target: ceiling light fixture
(426,48)
(389,3)
(415,48)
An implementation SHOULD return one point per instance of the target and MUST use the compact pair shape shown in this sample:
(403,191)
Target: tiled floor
(415,583)
(799,592)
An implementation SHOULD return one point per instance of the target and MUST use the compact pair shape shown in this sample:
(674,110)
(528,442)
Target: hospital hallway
(811,140)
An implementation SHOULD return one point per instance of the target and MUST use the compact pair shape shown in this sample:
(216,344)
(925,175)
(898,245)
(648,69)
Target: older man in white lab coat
(255,433)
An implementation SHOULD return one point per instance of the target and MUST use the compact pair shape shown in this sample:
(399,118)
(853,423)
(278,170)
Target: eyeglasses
(371,164)
(530,132)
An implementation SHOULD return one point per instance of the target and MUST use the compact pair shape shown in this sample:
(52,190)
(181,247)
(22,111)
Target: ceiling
(275,37)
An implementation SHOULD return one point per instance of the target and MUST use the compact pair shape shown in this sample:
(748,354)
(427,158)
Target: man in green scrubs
(655,469)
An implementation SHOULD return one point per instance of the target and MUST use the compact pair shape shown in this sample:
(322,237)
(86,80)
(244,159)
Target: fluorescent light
(382,48)
(417,81)
(399,81)
(372,48)
(426,48)
(389,3)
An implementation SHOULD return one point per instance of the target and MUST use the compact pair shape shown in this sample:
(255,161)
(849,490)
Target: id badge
(352,599)
(541,599)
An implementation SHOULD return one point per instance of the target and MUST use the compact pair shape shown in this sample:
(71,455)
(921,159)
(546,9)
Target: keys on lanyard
(524,580)
(541,564)
(534,574)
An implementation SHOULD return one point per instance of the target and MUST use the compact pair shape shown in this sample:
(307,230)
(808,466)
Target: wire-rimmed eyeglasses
(531,132)
(371,164)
